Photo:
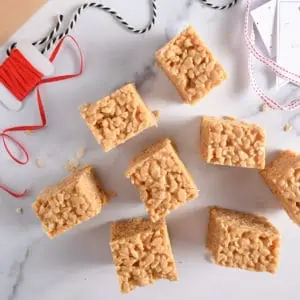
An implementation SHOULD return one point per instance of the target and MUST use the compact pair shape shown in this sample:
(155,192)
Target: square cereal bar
(115,119)
(142,253)
(76,199)
(190,66)
(282,175)
(232,143)
(243,240)
(162,179)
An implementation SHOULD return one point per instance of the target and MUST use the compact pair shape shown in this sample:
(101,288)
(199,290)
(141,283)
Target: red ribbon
(4,135)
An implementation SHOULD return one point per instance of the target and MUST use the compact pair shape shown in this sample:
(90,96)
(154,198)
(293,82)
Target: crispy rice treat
(243,240)
(76,199)
(282,175)
(161,179)
(117,118)
(232,143)
(141,252)
(190,66)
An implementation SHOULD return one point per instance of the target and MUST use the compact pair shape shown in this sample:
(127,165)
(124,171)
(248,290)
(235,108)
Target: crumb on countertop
(74,163)
(39,162)
(80,153)
(264,107)
(19,210)
(111,194)
(156,113)
(287,127)
(229,118)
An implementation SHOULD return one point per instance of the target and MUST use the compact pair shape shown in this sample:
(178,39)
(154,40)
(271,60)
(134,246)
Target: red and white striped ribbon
(277,69)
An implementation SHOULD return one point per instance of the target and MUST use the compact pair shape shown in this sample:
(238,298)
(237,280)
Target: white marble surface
(78,264)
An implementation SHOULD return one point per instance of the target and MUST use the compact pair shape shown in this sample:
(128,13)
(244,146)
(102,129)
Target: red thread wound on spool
(20,77)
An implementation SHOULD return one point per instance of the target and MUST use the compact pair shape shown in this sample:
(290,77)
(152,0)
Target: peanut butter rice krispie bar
(142,253)
(117,118)
(190,66)
(76,199)
(282,175)
(243,240)
(232,143)
(161,179)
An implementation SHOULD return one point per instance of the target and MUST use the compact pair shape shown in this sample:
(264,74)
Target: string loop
(43,40)
(13,194)
(219,7)
(54,37)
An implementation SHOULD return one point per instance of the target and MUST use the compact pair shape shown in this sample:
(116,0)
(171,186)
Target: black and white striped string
(53,37)
(219,7)
(44,40)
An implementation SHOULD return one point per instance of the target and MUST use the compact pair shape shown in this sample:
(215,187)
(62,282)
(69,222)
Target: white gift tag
(264,20)
(288,38)
(38,61)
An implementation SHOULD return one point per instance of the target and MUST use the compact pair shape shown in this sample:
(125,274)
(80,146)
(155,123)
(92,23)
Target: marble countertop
(78,264)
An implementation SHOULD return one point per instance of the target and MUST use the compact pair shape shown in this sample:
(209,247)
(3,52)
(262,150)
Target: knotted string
(20,77)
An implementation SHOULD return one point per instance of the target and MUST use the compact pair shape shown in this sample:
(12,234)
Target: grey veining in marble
(78,264)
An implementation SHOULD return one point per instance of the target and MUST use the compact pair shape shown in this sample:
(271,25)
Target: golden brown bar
(76,199)
(142,253)
(117,118)
(243,240)
(162,179)
(190,66)
(232,143)
(282,175)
